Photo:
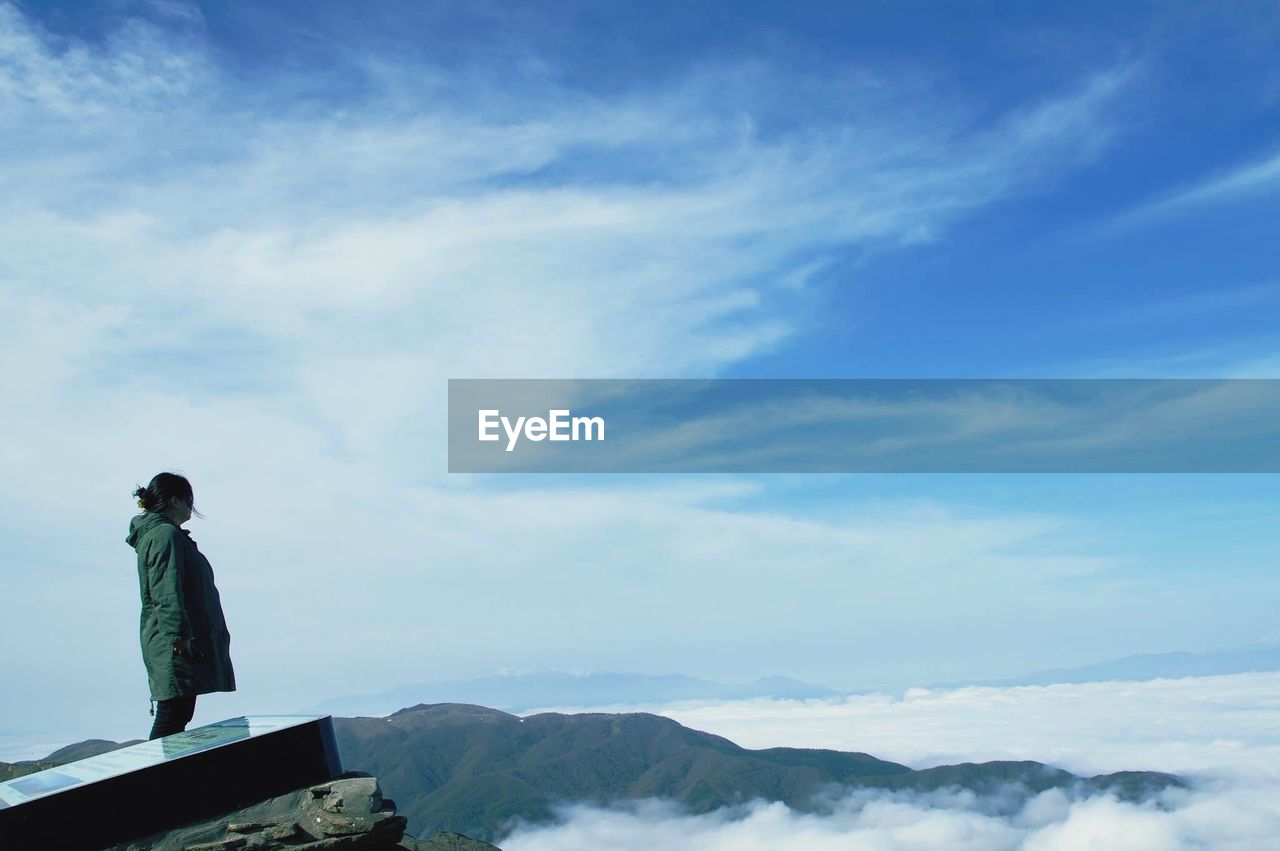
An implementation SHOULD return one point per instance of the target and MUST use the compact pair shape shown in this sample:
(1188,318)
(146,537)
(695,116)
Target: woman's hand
(185,647)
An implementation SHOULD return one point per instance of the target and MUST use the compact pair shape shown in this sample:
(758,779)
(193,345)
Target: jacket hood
(141,524)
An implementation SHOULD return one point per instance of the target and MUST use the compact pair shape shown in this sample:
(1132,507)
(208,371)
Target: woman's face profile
(179,510)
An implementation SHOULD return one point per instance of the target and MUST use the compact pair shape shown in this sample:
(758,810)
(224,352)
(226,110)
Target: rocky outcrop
(346,813)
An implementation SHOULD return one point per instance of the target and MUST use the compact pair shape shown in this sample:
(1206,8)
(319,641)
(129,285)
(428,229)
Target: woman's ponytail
(162,490)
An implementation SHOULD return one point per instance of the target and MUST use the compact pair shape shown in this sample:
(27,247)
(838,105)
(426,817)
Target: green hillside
(474,770)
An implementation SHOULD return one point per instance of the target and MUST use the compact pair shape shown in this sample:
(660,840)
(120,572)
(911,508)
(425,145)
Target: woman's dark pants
(172,715)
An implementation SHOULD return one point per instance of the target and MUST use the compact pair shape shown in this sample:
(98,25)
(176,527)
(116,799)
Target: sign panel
(155,786)
(143,755)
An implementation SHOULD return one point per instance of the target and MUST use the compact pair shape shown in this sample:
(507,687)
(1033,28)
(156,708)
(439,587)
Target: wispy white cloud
(200,270)
(1237,358)
(1251,180)
(430,220)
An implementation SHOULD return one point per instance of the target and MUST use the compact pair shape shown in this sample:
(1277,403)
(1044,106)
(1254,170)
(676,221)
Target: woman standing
(185,643)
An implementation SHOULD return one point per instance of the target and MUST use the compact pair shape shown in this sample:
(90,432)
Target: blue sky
(252,242)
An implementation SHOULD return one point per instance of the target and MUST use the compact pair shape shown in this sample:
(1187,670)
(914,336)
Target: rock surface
(346,813)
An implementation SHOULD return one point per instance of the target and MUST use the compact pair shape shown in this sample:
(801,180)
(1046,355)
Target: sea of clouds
(1220,733)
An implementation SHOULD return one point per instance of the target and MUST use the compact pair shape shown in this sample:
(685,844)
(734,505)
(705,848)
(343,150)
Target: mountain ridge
(478,771)
(1143,667)
(526,691)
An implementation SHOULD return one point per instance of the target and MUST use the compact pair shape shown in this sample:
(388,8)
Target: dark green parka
(179,601)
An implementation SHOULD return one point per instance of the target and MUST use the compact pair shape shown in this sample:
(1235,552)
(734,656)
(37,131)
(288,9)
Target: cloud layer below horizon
(1219,732)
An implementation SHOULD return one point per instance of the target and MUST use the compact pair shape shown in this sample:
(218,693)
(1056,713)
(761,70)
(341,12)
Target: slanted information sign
(167,782)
